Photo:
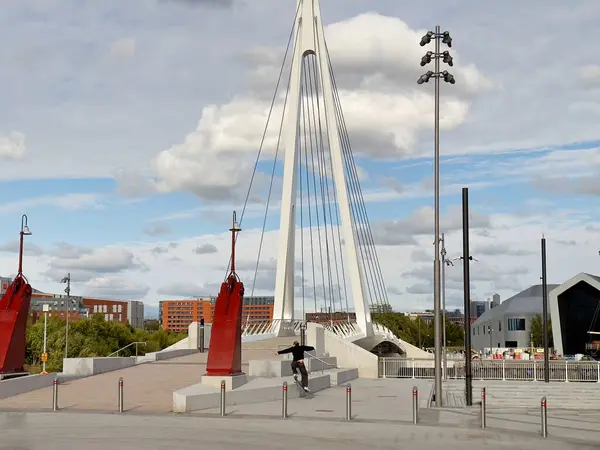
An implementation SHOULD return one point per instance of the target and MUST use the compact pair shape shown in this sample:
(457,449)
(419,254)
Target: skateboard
(303,393)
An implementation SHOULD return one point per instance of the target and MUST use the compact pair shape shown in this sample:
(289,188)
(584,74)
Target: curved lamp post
(25,231)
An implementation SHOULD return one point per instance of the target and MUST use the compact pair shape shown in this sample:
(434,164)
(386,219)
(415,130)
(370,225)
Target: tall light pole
(67,280)
(45,308)
(445,38)
(545,314)
(445,262)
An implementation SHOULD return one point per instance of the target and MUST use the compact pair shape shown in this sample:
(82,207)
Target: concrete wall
(94,366)
(192,341)
(20,385)
(16,386)
(348,354)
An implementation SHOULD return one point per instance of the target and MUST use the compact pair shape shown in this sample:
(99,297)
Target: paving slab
(148,387)
(64,431)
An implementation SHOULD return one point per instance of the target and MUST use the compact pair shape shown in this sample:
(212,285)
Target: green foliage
(417,332)
(537,331)
(93,337)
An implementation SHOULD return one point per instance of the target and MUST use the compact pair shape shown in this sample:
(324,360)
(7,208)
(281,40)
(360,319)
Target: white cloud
(590,73)
(28,248)
(68,201)
(115,287)
(122,49)
(228,136)
(12,145)
(86,264)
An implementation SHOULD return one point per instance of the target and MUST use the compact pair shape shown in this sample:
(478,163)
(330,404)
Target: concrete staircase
(527,394)
(315,366)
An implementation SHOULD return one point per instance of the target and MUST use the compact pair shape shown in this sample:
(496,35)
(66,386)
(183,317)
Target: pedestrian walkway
(148,388)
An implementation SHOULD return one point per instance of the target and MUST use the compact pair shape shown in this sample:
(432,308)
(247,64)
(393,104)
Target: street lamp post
(67,280)
(25,231)
(490,333)
(445,38)
(444,344)
(45,308)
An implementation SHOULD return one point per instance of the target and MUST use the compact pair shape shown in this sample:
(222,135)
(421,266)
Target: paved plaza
(148,387)
(64,431)
(382,419)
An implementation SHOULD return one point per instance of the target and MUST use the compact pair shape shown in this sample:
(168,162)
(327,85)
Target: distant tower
(495,300)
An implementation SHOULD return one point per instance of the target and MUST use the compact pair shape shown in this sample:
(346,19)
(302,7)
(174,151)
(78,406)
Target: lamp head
(446,39)
(26,231)
(426,59)
(447,58)
(425,77)
(426,39)
(448,77)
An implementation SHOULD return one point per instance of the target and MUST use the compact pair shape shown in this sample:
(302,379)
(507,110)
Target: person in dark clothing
(297,352)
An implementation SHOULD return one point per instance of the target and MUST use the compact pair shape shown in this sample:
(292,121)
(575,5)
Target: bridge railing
(260,327)
(565,371)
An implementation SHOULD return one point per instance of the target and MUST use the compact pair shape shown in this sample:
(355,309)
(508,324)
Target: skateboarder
(297,352)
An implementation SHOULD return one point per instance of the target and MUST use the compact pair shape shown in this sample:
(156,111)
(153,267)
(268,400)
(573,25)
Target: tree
(88,338)
(417,331)
(536,328)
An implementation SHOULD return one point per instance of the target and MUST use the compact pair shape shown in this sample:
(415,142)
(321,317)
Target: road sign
(44,357)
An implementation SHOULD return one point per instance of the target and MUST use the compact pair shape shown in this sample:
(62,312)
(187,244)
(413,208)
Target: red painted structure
(14,309)
(225,349)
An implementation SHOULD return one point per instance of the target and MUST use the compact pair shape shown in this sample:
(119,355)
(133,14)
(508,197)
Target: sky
(129,131)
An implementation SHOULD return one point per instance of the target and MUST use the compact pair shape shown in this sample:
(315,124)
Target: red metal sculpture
(225,350)
(14,309)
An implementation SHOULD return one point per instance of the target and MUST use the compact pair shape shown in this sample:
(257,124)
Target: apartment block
(177,315)
(113,310)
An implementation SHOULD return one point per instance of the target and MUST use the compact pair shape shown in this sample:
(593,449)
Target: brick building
(177,315)
(113,310)
(78,307)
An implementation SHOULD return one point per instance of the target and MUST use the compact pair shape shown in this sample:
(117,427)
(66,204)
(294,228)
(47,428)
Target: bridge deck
(147,387)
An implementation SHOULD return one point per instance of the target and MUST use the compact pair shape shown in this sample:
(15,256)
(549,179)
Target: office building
(478,308)
(177,315)
(495,300)
(135,313)
(58,306)
(508,325)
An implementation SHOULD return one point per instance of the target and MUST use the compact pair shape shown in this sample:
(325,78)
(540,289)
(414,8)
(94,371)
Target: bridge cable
(272,106)
(305,133)
(364,232)
(323,180)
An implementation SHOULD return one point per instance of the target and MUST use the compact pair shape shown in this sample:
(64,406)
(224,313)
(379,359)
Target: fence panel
(569,371)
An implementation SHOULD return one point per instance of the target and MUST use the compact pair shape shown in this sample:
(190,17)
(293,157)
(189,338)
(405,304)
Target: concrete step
(283,368)
(342,376)
(258,390)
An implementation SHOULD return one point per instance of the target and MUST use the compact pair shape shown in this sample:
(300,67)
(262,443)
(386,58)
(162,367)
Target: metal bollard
(55,394)
(284,401)
(121,395)
(483,409)
(544,417)
(348,402)
(415,404)
(222,405)
(201,338)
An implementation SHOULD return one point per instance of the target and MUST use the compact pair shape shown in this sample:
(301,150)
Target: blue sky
(128,132)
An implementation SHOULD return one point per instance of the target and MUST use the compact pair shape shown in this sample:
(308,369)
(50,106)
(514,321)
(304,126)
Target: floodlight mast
(445,57)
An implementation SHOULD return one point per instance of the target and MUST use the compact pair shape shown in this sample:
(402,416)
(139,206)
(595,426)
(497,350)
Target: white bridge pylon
(309,40)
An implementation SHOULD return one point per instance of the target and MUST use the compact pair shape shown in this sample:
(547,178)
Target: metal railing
(127,346)
(288,356)
(265,327)
(565,371)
